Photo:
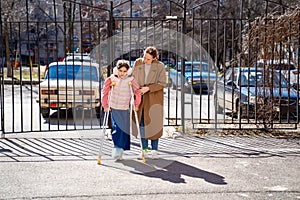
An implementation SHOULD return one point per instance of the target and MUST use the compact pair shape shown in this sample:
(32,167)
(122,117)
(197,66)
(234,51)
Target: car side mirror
(294,85)
(231,84)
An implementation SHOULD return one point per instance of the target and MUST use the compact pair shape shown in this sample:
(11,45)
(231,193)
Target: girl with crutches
(119,103)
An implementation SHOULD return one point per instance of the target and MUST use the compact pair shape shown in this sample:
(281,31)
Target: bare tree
(11,10)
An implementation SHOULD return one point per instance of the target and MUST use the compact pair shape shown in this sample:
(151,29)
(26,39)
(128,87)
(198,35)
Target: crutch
(105,124)
(136,120)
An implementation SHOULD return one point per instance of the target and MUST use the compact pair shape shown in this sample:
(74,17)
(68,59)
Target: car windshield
(70,72)
(256,78)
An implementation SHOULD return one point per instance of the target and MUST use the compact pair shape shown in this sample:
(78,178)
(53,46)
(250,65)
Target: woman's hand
(106,109)
(143,90)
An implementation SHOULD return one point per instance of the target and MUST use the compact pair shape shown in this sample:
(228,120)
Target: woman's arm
(161,80)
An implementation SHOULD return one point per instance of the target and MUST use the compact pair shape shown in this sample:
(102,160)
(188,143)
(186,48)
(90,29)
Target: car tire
(173,85)
(197,91)
(45,112)
(78,112)
(169,83)
(218,108)
(98,112)
(238,113)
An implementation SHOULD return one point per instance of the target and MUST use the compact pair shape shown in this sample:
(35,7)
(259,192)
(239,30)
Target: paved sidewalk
(56,166)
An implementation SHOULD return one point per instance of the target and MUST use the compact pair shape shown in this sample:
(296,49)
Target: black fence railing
(223,71)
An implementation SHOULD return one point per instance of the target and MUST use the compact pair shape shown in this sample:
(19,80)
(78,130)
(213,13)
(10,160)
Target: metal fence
(206,59)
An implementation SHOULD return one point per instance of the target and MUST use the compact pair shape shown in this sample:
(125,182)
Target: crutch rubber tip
(99,159)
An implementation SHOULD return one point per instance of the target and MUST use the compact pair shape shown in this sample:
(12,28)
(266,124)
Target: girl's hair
(152,51)
(122,63)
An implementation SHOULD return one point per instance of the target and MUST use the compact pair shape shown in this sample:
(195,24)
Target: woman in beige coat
(151,76)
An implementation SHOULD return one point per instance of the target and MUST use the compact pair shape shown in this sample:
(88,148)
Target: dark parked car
(250,92)
(199,77)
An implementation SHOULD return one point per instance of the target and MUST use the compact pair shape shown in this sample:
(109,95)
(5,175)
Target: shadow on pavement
(172,171)
(62,118)
(5,151)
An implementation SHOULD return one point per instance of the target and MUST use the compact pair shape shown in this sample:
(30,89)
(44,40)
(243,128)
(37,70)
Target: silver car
(70,85)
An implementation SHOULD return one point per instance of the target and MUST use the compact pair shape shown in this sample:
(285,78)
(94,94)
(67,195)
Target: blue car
(199,77)
(254,92)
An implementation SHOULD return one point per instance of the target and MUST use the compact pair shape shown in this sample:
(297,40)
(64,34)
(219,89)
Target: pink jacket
(120,92)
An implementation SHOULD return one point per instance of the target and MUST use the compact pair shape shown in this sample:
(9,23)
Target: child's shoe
(154,154)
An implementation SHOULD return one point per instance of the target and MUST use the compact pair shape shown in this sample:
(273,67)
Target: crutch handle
(112,84)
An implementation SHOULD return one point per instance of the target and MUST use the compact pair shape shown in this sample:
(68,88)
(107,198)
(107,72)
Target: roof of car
(248,68)
(251,69)
(78,57)
(84,63)
(275,61)
(194,62)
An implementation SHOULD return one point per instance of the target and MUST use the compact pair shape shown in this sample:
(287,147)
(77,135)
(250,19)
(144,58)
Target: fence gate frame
(1,103)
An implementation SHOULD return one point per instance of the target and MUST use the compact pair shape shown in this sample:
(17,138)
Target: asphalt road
(60,165)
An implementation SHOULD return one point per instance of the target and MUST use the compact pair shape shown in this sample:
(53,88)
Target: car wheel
(197,91)
(218,108)
(169,83)
(173,86)
(78,112)
(98,112)
(45,112)
(69,112)
(238,113)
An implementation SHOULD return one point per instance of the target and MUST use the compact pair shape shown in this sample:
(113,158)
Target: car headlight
(193,81)
(252,99)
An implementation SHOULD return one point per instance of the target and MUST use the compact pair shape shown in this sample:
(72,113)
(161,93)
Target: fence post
(1,81)
(110,34)
(183,68)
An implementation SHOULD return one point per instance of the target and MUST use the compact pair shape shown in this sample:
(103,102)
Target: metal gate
(1,103)
(198,43)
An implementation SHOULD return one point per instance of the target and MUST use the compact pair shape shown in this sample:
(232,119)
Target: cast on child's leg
(120,134)
(117,153)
